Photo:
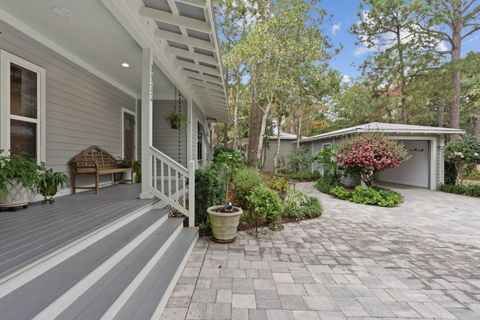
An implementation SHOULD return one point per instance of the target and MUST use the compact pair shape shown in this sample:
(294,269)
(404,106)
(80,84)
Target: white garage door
(413,172)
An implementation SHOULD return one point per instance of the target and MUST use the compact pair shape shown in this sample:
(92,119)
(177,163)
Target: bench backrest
(95,154)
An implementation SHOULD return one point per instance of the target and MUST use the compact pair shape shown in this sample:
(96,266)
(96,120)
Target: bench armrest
(124,164)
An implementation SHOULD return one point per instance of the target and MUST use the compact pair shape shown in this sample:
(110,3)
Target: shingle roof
(285,136)
(386,128)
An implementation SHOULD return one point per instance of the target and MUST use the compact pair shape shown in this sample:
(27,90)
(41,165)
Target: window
(199,141)
(22,107)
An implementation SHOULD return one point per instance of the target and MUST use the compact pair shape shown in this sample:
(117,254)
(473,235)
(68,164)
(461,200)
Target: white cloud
(442,46)
(346,79)
(336,27)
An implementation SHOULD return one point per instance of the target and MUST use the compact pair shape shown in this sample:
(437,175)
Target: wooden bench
(98,162)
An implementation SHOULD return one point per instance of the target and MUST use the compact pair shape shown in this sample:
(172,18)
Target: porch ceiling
(183,36)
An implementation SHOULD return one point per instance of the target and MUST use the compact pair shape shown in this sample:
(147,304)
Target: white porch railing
(173,183)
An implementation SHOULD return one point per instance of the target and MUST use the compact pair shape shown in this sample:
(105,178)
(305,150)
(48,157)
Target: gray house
(106,73)
(287,145)
(424,169)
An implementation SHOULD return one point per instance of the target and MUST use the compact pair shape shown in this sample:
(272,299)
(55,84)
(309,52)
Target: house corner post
(191,193)
(146,106)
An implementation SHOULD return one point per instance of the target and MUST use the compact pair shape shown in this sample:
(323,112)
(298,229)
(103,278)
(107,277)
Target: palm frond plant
(49,182)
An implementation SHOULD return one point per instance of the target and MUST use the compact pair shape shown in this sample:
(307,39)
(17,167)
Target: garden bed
(472,190)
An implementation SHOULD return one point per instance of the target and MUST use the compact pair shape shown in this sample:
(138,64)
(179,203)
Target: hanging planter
(176,120)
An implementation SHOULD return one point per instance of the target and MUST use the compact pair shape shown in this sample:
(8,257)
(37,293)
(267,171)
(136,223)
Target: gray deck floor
(29,234)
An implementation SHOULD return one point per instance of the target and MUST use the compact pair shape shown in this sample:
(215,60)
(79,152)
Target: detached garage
(424,169)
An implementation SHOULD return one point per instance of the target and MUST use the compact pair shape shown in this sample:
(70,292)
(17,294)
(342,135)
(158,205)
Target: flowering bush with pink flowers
(369,154)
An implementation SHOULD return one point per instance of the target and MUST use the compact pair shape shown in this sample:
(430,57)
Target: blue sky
(344,14)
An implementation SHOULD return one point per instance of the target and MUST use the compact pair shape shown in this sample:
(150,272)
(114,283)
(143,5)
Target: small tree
(299,159)
(464,154)
(369,154)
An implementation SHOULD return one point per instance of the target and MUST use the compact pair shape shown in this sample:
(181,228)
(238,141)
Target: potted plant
(224,219)
(176,120)
(48,183)
(18,179)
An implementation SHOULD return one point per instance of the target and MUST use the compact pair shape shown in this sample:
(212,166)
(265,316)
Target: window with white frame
(22,107)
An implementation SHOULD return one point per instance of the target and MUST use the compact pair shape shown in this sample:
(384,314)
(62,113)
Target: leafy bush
(279,184)
(451,173)
(369,154)
(245,180)
(49,181)
(464,154)
(376,196)
(299,205)
(299,160)
(265,203)
(341,193)
(209,191)
(332,172)
(472,190)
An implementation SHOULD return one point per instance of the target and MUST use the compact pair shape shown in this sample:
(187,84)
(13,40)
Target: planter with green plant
(49,182)
(176,120)
(18,180)
(224,219)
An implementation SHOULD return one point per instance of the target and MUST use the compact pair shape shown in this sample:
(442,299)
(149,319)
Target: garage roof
(394,128)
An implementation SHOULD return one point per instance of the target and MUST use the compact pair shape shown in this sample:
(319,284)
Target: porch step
(109,274)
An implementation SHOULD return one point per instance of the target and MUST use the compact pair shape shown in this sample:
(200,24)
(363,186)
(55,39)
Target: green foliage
(340,192)
(176,119)
(245,180)
(17,169)
(278,183)
(265,202)
(137,169)
(332,172)
(472,190)
(325,185)
(299,205)
(376,196)
(228,162)
(299,160)
(49,181)
(464,153)
(209,191)
(450,173)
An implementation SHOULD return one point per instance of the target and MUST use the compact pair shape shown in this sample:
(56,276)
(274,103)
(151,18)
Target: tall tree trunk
(441,114)
(403,99)
(299,129)
(277,151)
(255,124)
(263,125)
(456,43)
(235,118)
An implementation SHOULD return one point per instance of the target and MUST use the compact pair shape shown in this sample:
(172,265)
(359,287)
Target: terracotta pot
(17,196)
(224,225)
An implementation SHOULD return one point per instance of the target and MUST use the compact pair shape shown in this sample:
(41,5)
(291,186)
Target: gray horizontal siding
(286,147)
(82,109)
(172,142)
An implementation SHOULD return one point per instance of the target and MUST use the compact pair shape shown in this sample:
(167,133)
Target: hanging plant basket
(176,120)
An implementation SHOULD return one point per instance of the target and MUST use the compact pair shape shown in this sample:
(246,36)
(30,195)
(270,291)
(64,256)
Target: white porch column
(147,63)
(191,161)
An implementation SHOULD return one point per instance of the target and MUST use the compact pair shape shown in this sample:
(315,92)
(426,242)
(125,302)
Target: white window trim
(134,114)
(5,59)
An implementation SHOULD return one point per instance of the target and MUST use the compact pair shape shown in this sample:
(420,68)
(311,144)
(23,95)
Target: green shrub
(265,203)
(472,190)
(464,154)
(341,193)
(299,205)
(209,191)
(325,185)
(376,196)
(245,180)
(299,160)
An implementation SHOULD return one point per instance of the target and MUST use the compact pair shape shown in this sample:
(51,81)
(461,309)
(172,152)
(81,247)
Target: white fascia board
(37,36)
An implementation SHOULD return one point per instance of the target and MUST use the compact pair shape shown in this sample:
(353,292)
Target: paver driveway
(417,261)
